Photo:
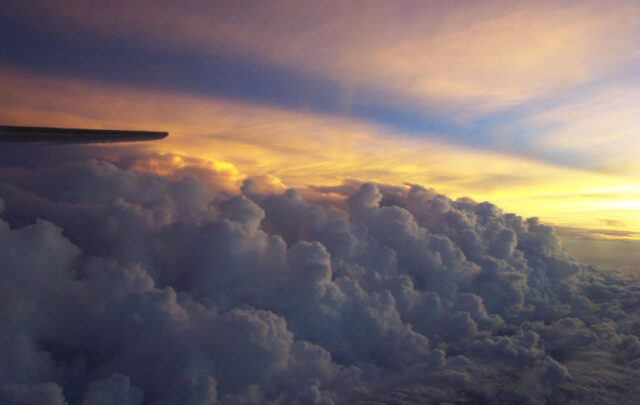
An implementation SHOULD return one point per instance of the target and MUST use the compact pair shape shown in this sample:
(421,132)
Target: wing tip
(23,134)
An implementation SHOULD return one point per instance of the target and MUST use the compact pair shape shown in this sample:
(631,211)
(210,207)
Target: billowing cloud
(123,285)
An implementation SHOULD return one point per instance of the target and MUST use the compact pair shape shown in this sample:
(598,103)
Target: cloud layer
(126,287)
(470,56)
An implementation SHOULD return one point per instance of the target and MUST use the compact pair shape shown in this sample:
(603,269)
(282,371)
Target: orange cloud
(467,56)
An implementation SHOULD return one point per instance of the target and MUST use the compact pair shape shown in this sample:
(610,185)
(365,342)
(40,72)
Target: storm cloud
(124,286)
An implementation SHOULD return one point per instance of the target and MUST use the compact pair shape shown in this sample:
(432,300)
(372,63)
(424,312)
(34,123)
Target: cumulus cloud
(124,286)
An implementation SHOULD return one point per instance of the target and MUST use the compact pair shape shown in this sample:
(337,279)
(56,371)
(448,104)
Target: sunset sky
(358,202)
(533,106)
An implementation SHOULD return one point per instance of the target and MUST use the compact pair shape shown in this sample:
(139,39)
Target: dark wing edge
(38,135)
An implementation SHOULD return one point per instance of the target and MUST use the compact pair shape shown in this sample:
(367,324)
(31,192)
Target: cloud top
(129,287)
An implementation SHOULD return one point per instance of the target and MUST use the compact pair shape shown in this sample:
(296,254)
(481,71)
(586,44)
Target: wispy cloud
(541,82)
(476,56)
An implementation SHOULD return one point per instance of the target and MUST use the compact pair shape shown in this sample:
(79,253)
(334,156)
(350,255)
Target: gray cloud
(128,287)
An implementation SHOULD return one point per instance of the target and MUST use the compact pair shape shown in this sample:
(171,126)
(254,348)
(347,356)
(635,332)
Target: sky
(532,106)
(359,202)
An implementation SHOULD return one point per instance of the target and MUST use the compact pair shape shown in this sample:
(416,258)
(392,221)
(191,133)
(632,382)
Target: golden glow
(285,148)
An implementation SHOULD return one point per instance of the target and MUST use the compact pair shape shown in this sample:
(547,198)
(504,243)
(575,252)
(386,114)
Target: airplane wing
(38,135)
